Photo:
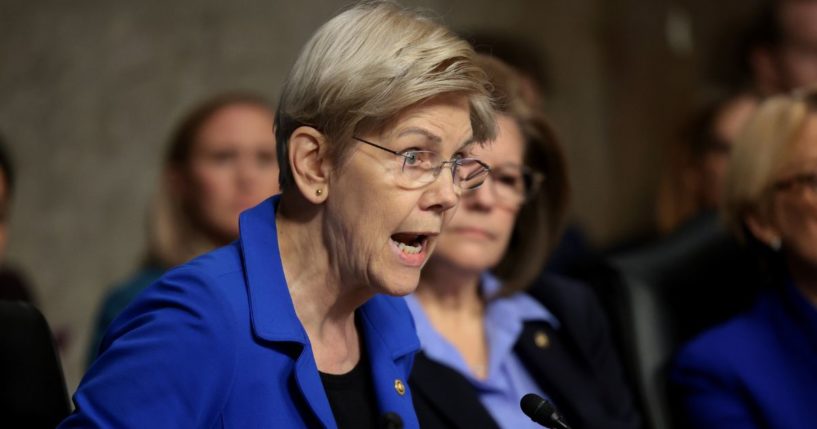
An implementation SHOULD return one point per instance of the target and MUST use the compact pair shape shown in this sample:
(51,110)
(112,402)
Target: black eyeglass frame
(808,180)
(536,179)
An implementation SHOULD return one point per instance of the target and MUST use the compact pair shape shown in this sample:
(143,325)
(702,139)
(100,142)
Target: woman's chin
(460,263)
(400,284)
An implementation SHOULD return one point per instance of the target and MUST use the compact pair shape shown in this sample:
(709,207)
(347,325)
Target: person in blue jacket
(298,323)
(759,369)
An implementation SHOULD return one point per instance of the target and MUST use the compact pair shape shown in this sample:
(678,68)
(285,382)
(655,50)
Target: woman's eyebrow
(467,144)
(435,139)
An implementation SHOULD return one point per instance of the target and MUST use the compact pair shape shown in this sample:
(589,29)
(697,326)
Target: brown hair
(540,220)
(685,189)
(173,237)
(680,191)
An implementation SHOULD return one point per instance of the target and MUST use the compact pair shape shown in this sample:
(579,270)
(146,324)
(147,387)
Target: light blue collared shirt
(507,379)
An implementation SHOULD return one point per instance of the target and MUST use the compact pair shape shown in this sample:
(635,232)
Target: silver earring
(776,244)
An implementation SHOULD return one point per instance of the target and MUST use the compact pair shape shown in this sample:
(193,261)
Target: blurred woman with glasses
(492,329)
(299,323)
(759,369)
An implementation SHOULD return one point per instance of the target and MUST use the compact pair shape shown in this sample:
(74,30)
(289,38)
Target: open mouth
(409,243)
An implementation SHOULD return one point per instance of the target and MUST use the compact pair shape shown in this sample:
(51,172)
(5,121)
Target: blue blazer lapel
(271,310)
(272,313)
(388,329)
(310,385)
(391,342)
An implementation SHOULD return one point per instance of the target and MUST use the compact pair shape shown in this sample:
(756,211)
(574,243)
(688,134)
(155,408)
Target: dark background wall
(90,90)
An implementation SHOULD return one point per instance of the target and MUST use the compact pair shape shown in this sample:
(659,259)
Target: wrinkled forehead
(442,124)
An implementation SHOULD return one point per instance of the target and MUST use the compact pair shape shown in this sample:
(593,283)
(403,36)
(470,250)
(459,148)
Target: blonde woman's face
(477,236)
(794,205)
(232,167)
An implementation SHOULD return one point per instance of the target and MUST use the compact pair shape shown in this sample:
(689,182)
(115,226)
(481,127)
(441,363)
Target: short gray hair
(365,65)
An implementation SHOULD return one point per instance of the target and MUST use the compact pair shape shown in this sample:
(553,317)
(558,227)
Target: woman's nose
(483,197)
(247,173)
(441,195)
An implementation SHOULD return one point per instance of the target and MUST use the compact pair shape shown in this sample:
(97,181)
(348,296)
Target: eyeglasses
(422,167)
(805,180)
(513,185)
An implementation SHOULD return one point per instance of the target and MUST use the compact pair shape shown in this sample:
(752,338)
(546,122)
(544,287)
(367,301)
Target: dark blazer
(576,366)
(32,388)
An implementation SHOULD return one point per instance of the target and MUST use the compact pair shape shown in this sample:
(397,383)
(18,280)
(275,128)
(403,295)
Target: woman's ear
(309,164)
(763,229)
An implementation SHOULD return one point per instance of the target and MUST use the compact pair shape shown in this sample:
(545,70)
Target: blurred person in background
(777,53)
(13,287)
(759,369)
(573,255)
(781,50)
(491,328)
(693,182)
(299,322)
(220,161)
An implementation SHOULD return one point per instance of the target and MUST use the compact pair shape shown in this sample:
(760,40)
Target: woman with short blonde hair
(349,85)
(298,323)
(765,147)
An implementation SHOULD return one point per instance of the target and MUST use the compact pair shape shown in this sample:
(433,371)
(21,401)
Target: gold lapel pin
(541,340)
(399,387)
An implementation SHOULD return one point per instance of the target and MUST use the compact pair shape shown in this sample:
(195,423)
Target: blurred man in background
(783,52)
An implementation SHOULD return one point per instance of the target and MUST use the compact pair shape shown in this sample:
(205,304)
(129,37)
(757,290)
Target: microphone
(542,411)
(391,420)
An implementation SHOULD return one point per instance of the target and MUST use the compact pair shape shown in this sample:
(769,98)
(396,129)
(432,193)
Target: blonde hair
(760,151)
(540,221)
(364,66)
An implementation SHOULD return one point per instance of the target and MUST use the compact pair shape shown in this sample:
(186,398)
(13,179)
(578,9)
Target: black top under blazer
(576,366)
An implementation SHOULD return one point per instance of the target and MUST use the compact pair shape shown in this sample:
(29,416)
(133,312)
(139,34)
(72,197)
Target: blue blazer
(758,370)
(216,343)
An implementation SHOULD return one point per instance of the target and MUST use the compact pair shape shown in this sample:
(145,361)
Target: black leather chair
(667,293)
(32,387)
